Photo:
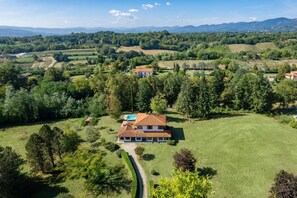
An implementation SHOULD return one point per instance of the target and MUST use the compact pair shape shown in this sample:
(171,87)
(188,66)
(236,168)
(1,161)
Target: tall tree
(187,99)
(144,95)
(172,87)
(159,104)
(182,185)
(203,99)
(216,88)
(263,96)
(287,89)
(10,172)
(48,137)
(35,153)
(10,74)
(114,107)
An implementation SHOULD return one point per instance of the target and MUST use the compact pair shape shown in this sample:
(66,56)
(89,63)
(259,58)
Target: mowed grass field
(255,48)
(17,137)
(147,52)
(247,150)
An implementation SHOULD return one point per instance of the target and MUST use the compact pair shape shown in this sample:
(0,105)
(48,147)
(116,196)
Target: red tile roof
(128,129)
(144,119)
(293,73)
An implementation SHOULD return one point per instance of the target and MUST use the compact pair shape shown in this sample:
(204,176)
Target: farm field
(247,150)
(169,64)
(81,57)
(255,48)
(17,136)
(147,52)
(71,51)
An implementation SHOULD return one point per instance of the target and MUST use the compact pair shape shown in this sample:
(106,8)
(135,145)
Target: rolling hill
(270,25)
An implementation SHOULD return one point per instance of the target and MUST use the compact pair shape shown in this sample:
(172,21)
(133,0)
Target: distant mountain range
(270,25)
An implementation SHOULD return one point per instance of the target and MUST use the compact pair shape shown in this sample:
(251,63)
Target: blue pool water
(130,117)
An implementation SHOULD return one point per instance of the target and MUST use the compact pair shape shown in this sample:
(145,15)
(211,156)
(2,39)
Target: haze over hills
(270,25)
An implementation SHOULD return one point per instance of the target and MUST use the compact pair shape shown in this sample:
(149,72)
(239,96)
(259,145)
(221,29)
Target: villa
(143,72)
(292,75)
(144,127)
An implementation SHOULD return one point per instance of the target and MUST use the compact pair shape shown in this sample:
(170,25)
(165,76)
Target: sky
(139,13)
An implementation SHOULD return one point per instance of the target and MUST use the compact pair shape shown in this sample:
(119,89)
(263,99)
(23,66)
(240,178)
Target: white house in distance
(145,128)
(143,72)
(292,75)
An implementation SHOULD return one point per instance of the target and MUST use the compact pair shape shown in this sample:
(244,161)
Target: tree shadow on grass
(226,115)
(207,172)
(148,157)
(39,188)
(175,119)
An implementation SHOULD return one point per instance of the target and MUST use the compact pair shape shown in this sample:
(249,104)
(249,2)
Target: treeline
(150,40)
(52,95)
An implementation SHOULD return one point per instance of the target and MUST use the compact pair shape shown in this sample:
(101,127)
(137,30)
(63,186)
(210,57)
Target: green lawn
(25,60)
(246,150)
(17,136)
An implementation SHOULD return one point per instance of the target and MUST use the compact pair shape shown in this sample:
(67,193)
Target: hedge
(151,188)
(134,191)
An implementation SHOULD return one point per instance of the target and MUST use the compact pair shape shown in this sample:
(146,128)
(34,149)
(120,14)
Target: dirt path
(129,148)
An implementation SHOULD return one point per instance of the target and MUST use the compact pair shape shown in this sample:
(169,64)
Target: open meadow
(259,47)
(247,150)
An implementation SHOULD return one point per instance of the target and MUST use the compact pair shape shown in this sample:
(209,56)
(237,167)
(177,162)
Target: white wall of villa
(153,128)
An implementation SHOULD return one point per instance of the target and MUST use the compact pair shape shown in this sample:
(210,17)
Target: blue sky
(136,13)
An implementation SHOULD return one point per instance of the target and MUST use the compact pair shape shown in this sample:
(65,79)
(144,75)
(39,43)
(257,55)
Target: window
(160,127)
(138,139)
(161,139)
(149,139)
(150,127)
(139,127)
(127,139)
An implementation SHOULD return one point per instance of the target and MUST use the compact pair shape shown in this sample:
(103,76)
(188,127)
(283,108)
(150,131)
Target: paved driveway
(129,148)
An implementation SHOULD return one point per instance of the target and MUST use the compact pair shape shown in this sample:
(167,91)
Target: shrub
(119,153)
(171,142)
(111,146)
(139,151)
(284,185)
(185,160)
(154,172)
(134,192)
(293,124)
(92,134)
(83,122)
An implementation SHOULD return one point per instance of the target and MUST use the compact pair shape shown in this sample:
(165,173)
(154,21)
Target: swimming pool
(130,117)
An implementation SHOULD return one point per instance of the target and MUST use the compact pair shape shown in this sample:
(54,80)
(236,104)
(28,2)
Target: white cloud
(147,6)
(157,4)
(122,15)
(133,10)
(168,4)
(253,18)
